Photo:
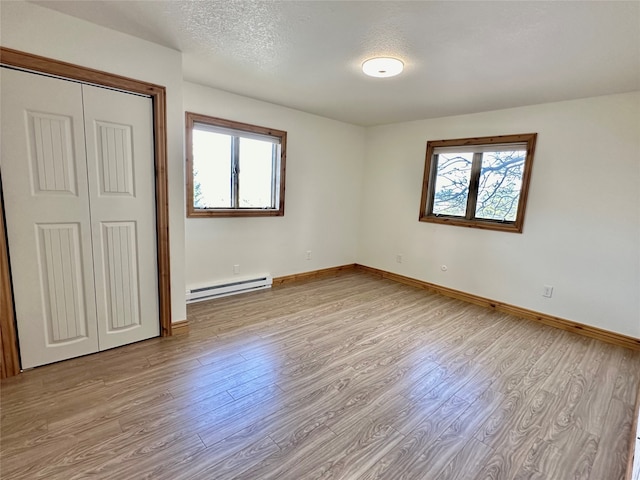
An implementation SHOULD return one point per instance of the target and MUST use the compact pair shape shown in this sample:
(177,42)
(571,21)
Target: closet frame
(9,357)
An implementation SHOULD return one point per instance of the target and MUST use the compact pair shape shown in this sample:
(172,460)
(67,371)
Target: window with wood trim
(233,168)
(478,182)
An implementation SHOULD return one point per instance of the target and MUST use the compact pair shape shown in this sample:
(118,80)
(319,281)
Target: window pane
(452,184)
(256,173)
(211,170)
(500,185)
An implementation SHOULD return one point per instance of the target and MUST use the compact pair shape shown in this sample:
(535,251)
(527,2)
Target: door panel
(114,152)
(43,167)
(119,137)
(61,277)
(52,156)
(121,275)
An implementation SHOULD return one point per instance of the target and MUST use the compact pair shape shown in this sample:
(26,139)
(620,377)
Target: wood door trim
(48,66)
(10,358)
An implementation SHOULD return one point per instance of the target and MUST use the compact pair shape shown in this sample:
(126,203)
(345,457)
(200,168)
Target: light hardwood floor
(351,377)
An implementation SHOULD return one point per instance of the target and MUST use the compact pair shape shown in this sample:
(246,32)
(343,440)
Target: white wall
(344,183)
(41,31)
(322,200)
(582,226)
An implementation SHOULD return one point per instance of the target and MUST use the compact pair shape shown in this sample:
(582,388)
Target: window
(478,182)
(234,169)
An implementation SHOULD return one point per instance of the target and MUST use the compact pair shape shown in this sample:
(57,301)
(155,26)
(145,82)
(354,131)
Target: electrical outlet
(399,258)
(236,269)
(308,254)
(547,291)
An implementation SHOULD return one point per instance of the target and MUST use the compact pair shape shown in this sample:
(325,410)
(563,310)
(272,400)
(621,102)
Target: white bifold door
(79,195)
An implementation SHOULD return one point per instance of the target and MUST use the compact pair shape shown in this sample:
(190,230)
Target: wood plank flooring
(351,377)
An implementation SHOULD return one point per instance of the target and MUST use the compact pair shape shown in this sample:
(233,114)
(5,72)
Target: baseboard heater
(229,287)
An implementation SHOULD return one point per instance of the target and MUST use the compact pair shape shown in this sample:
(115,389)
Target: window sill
(233,212)
(482,224)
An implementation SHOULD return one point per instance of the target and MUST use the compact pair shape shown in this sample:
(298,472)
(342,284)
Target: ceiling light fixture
(382,67)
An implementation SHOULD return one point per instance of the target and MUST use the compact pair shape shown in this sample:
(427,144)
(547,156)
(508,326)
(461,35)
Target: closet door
(44,181)
(119,136)
(78,180)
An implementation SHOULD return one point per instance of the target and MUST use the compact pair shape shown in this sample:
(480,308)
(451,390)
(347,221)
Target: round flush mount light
(382,67)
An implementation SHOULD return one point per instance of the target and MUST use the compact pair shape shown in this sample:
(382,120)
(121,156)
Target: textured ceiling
(460,57)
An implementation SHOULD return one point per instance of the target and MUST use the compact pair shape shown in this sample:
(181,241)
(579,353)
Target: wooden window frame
(430,175)
(26,61)
(192,212)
